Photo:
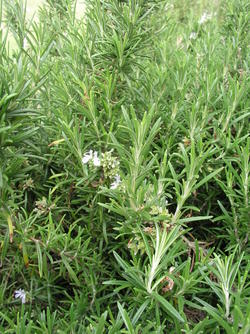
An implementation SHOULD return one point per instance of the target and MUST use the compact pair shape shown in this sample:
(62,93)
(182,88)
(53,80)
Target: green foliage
(124,167)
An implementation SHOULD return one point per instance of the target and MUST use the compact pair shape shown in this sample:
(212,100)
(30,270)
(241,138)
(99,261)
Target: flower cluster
(109,164)
(28,184)
(205,17)
(136,244)
(159,210)
(193,35)
(43,207)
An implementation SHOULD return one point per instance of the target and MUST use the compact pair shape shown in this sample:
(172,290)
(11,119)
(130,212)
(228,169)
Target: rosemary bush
(124,167)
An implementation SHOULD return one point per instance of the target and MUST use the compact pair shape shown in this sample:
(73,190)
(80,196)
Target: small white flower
(193,35)
(20,294)
(205,17)
(96,160)
(87,156)
(116,183)
(25,43)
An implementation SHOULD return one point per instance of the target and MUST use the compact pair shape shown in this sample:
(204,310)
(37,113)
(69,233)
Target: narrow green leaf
(70,271)
(39,259)
(207,178)
(101,325)
(213,312)
(167,306)
(126,319)
(193,219)
(140,312)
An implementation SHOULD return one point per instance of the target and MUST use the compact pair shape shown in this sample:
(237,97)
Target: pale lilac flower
(116,183)
(193,35)
(20,294)
(87,156)
(205,17)
(96,160)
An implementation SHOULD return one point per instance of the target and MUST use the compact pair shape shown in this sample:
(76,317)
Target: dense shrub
(124,171)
